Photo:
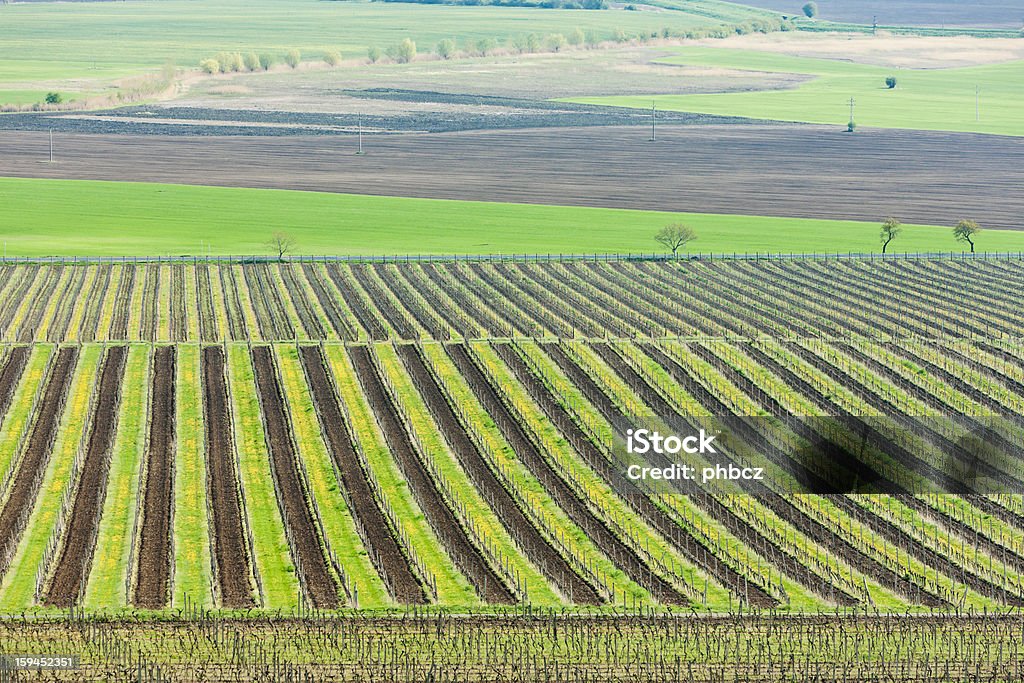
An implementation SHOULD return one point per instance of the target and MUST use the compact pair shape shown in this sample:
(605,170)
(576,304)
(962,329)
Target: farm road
(777,170)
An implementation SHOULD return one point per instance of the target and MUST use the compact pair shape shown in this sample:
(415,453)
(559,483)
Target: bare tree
(282,243)
(891,229)
(965,231)
(675,236)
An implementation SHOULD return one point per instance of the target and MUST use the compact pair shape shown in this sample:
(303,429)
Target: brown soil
(72,571)
(446,525)
(152,581)
(526,535)
(14,366)
(381,545)
(367,318)
(230,549)
(307,549)
(780,170)
(515,434)
(33,463)
(122,304)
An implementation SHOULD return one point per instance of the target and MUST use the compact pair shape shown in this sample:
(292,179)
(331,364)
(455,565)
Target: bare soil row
(153,570)
(230,550)
(72,570)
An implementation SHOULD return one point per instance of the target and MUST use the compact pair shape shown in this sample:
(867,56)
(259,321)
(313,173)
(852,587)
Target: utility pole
(360,152)
(853,104)
(874,26)
(654,122)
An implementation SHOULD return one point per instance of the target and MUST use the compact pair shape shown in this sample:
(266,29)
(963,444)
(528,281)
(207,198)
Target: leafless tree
(675,236)
(282,243)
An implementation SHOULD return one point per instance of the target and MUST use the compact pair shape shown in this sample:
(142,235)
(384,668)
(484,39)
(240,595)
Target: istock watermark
(761,455)
(643,441)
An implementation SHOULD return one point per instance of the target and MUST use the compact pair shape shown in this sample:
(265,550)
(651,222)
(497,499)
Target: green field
(53,42)
(924,99)
(91,218)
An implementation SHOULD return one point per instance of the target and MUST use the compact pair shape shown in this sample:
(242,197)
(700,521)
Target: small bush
(555,42)
(54,98)
(332,58)
(577,37)
(811,10)
(252,62)
(851,126)
(230,61)
(293,58)
(485,46)
(267,61)
(890,82)
(210,66)
(373,54)
(445,48)
(404,52)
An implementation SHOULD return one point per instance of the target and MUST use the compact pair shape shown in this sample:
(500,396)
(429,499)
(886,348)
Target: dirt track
(776,170)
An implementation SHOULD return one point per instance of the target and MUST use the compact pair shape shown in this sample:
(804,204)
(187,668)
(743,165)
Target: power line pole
(654,122)
(853,104)
(874,26)
(360,152)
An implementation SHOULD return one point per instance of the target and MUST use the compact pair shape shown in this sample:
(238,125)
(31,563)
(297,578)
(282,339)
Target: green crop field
(60,44)
(90,218)
(924,99)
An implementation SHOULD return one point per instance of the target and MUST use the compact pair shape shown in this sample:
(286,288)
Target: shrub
(811,10)
(210,66)
(555,42)
(267,61)
(252,62)
(293,58)
(230,61)
(485,46)
(890,82)
(405,51)
(620,36)
(54,98)
(445,48)
(851,126)
(332,57)
(373,54)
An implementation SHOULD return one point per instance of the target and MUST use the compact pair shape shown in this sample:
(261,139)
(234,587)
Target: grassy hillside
(939,99)
(43,217)
(45,45)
